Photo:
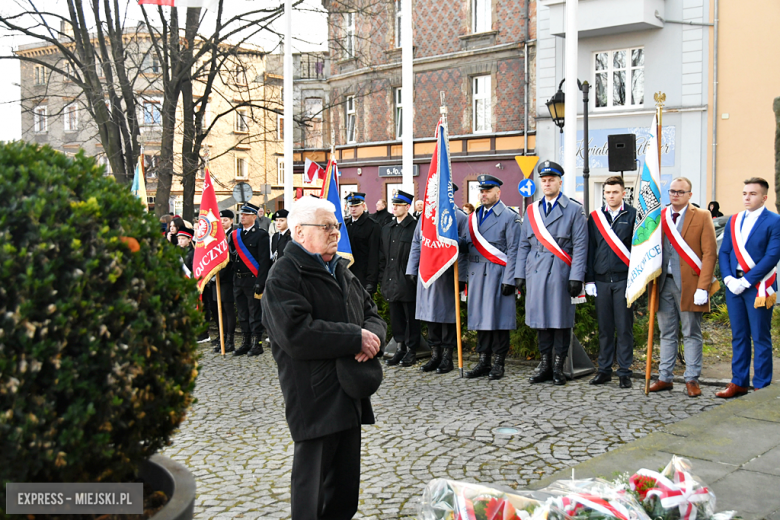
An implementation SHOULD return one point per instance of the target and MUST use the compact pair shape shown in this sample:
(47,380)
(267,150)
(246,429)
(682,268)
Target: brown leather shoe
(693,388)
(660,385)
(732,391)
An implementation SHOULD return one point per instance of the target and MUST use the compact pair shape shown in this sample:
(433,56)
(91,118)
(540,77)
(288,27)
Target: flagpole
(659,105)
(219,310)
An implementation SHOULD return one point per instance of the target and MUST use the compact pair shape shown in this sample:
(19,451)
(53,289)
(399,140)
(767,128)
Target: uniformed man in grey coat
(436,304)
(491,241)
(547,281)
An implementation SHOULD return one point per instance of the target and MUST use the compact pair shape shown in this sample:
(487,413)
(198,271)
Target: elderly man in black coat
(325,335)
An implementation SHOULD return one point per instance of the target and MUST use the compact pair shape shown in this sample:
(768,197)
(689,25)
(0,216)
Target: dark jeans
(326,477)
(614,316)
(492,341)
(406,328)
(442,334)
(228,306)
(554,340)
(250,313)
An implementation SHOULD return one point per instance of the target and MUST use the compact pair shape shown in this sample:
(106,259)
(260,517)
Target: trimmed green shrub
(97,343)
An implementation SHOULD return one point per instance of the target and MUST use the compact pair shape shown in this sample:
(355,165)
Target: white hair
(304,209)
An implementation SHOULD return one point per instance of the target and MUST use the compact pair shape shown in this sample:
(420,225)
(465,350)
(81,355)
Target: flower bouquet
(449,500)
(591,499)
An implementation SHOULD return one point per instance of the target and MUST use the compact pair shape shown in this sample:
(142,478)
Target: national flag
(211,247)
(312,171)
(330,192)
(439,245)
(139,186)
(646,250)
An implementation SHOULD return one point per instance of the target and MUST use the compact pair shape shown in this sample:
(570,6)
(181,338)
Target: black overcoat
(394,249)
(312,318)
(364,240)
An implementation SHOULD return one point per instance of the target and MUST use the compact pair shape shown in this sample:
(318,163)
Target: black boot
(544,372)
(230,343)
(482,368)
(497,372)
(257,345)
(400,352)
(410,358)
(246,345)
(559,378)
(215,344)
(435,360)
(446,361)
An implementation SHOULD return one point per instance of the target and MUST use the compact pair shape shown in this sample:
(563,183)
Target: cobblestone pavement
(236,441)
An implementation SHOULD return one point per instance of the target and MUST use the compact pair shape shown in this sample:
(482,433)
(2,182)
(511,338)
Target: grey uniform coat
(436,304)
(488,308)
(548,303)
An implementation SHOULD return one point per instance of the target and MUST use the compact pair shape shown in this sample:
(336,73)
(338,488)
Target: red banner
(211,248)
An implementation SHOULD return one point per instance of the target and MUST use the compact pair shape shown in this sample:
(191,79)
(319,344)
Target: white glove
(738,286)
(590,289)
(700,297)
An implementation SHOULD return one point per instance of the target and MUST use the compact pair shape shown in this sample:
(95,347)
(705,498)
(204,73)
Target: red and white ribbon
(484,247)
(677,241)
(570,504)
(684,493)
(610,237)
(746,262)
(546,239)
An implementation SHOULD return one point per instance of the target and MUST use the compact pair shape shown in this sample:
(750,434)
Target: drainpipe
(525,78)
(715,102)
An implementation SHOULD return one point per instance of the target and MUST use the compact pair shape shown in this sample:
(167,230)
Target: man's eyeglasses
(327,227)
(676,193)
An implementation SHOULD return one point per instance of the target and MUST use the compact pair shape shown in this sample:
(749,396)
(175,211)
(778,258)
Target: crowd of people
(320,315)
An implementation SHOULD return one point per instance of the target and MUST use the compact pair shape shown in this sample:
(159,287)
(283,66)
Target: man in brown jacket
(689,254)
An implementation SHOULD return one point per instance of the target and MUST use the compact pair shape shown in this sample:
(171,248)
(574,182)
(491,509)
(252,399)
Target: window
(481,16)
(351,119)
(280,127)
(239,74)
(206,117)
(481,97)
(620,78)
(399,114)
(150,166)
(40,123)
(279,171)
(242,121)
(68,72)
(398,22)
(71,117)
(242,167)
(349,35)
(313,132)
(40,74)
(152,113)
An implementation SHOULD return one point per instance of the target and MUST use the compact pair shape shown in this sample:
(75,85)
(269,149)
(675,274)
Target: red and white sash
(746,263)
(677,241)
(614,243)
(546,239)
(484,247)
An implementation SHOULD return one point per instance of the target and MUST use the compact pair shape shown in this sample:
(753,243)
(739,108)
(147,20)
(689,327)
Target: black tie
(674,217)
(549,207)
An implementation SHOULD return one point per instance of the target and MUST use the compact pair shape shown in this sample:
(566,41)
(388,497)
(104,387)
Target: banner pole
(219,312)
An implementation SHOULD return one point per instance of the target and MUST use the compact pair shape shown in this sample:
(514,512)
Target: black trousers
(228,306)
(406,328)
(614,316)
(326,477)
(250,314)
(492,341)
(442,334)
(208,305)
(554,340)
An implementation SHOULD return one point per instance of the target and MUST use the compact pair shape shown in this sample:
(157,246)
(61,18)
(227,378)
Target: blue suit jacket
(763,244)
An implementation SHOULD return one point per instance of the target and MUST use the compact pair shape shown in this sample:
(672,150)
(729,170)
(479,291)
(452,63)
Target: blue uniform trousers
(746,323)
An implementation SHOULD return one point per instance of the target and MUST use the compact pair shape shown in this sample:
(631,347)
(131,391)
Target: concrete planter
(176,481)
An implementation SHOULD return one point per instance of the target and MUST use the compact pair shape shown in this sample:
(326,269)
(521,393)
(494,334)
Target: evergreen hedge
(98,324)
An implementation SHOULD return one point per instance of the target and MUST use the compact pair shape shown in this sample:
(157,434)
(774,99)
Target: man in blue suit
(748,262)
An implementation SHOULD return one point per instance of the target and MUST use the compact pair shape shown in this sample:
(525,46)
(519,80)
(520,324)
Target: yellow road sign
(527,164)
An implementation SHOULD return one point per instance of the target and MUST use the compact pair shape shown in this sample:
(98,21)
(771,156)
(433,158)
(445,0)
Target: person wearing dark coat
(382,216)
(364,240)
(250,249)
(714,208)
(184,240)
(606,278)
(282,237)
(399,291)
(226,289)
(323,327)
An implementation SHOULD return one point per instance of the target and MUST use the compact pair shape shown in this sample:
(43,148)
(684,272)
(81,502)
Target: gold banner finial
(659,98)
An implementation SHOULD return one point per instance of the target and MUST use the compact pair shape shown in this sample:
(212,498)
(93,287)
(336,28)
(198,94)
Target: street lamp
(557,107)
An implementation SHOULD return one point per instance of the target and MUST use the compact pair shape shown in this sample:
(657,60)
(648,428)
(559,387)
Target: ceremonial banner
(312,171)
(439,244)
(211,247)
(139,186)
(330,192)
(646,249)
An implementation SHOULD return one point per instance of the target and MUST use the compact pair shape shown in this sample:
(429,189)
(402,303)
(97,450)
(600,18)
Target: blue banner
(330,192)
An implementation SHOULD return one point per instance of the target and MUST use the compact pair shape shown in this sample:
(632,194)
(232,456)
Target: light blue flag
(330,192)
